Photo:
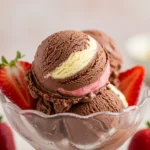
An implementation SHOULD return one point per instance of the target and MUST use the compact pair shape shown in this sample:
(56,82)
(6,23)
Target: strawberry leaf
(1,118)
(4,61)
(12,62)
(148,124)
(19,55)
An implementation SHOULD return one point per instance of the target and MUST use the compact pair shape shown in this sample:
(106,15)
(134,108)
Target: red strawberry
(6,137)
(13,82)
(141,140)
(131,82)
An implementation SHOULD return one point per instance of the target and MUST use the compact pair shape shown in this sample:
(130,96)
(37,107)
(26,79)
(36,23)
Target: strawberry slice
(6,137)
(13,82)
(131,82)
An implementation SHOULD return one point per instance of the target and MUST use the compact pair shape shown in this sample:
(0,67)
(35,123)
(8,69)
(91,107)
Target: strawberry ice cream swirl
(103,80)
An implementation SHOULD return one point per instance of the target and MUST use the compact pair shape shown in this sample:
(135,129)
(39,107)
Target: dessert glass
(66,131)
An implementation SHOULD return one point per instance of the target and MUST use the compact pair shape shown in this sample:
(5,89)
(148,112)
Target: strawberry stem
(12,62)
(148,124)
(1,118)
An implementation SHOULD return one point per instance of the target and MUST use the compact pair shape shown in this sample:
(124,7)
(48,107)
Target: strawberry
(141,140)
(13,82)
(6,137)
(130,84)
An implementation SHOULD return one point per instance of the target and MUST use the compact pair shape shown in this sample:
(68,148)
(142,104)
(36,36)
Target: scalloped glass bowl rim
(41,114)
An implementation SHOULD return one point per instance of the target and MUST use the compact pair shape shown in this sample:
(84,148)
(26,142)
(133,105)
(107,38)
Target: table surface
(24,24)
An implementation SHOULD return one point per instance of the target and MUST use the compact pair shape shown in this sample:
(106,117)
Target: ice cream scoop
(69,68)
(68,60)
(77,61)
(107,98)
(109,45)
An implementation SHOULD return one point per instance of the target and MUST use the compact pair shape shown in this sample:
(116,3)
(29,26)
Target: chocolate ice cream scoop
(68,67)
(107,99)
(109,45)
(67,61)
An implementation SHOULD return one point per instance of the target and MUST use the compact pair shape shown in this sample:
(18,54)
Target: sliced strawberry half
(131,83)
(13,82)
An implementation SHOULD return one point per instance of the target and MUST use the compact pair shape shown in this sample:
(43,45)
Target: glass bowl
(66,131)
